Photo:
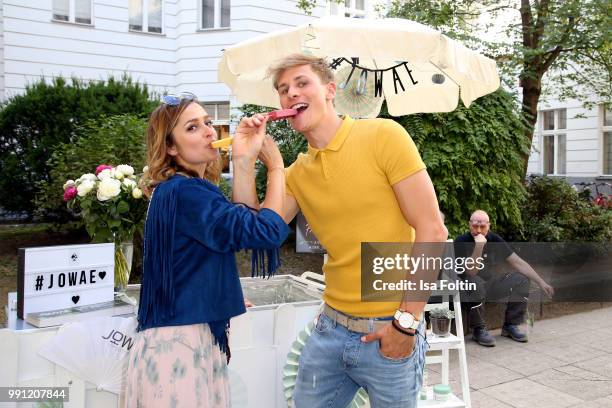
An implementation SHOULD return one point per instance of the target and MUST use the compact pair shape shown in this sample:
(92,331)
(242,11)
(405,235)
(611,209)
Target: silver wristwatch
(406,320)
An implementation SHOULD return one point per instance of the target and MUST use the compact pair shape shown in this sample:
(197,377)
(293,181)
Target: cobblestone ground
(567,363)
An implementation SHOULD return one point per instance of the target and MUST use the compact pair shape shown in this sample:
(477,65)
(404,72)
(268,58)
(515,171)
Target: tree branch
(526,21)
(552,55)
(498,8)
(541,22)
(564,50)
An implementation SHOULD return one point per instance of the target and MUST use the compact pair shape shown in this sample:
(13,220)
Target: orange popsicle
(274,115)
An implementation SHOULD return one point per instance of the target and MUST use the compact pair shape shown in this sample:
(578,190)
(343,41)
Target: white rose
(125,169)
(137,193)
(108,188)
(85,187)
(106,173)
(129,182)
(69,183)
(118,174)
(87,176)
(145,169)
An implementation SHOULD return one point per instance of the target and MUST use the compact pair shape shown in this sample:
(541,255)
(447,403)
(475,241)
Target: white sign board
(60,277)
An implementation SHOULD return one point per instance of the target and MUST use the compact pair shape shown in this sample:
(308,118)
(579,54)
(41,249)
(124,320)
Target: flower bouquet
(112,207)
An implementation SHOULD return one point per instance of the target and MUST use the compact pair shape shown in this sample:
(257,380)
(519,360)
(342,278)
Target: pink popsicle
(281,114)
(274,115)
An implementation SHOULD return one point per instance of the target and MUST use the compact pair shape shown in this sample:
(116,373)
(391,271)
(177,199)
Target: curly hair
(159,138)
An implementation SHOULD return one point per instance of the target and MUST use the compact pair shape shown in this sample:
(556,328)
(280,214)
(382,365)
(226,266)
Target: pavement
(567,363)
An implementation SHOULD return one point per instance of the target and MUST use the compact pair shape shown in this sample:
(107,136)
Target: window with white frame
(72,11)
(146,16)
(554,150)
(607,140)
(214,14)
(348,8)
(218,111)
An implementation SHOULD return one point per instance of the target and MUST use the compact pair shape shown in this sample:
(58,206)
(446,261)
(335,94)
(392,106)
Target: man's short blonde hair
(318,65)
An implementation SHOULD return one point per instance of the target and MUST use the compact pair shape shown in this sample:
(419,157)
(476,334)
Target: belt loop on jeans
(335,319)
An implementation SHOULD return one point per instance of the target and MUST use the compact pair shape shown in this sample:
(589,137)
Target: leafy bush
(225,188)
(557,212)
(47,114)
(475,159)
(107,140)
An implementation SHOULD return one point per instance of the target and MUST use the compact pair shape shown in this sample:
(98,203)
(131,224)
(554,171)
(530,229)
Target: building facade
(175,46)
(573,142)
(171,45)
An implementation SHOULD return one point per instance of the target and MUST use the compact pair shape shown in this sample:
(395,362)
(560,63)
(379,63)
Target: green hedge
(554,211)
(474,158)
(47,114)
(111,140)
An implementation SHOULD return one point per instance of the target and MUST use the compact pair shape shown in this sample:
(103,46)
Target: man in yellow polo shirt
(360,181)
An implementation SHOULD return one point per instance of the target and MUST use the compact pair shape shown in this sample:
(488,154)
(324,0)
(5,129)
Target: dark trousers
(512,286)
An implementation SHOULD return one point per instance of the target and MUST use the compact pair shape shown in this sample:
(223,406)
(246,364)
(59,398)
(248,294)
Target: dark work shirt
(495,251)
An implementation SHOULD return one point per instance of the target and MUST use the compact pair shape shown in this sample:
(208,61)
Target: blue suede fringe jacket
(189,268)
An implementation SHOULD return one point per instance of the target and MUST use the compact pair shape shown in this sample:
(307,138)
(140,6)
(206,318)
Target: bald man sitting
(513,284)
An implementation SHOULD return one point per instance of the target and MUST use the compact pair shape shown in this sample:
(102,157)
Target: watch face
(406,320)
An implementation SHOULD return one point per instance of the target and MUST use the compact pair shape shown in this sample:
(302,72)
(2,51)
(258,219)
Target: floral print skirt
(177,366)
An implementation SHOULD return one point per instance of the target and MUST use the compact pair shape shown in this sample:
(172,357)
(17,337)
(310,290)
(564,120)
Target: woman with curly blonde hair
(190,284)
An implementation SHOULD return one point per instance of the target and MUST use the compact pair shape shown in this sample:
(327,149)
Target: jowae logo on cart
(119,339)
(70,279)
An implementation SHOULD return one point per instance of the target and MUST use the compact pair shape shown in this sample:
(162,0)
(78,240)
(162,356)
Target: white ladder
(445,345)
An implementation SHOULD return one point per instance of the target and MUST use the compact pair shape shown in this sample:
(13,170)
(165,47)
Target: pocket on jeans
(398,360)
(323,325)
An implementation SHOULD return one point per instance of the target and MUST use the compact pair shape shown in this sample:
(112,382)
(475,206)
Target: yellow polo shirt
(345,192)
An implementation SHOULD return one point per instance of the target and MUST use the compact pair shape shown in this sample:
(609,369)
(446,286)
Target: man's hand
(480,239)
(393,344)
(549,290)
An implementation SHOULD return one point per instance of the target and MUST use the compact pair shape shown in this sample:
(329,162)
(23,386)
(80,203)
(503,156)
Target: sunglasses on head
(175,100)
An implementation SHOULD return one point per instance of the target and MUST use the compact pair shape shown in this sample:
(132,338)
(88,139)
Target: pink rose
(70,193)
(102,167)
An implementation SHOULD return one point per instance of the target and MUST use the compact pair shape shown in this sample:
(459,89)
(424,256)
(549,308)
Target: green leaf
(114,224)
(123,207)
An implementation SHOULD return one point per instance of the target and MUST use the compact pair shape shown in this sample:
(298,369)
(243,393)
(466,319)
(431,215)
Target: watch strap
(399,329)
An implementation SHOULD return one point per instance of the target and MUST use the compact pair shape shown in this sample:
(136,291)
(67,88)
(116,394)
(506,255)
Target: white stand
(445,344)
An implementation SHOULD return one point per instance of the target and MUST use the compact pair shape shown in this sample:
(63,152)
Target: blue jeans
(335,363)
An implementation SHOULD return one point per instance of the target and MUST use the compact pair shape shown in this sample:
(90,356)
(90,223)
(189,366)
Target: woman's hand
(269,154)
(249,137)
